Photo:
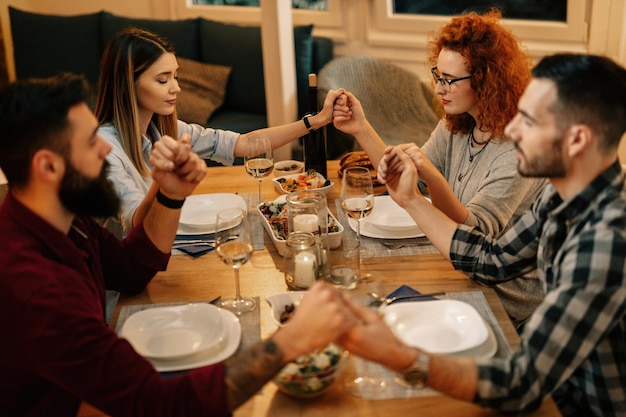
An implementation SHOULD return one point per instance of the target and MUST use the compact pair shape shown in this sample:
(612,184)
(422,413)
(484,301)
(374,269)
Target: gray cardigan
(495,196)
(491,189)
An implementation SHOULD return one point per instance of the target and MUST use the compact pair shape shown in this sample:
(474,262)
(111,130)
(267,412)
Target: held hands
(325,315)
(328,106)
(175,167)
(348,114)
(372,339)
(321,318)
(397,170)
(425,168)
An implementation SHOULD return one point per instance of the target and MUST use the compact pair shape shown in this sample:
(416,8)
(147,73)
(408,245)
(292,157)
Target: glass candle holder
(307,211)
(302,261)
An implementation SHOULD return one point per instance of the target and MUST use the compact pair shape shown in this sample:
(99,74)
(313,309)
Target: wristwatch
(305,119)
(416,375)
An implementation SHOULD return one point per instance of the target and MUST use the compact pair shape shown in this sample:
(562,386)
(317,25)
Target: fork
(197,242)
(194,243)
(393,244)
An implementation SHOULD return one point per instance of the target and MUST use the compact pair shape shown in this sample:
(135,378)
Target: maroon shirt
(56,349)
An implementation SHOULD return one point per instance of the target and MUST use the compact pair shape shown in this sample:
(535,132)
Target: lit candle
(305,223)
(343,275)
(305,271)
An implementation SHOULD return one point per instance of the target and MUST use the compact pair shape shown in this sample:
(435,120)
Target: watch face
(415,377)
(417,373)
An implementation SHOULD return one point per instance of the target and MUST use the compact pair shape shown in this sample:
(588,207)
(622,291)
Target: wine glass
(368,382)
(234,247)
(258,159)
(357,197)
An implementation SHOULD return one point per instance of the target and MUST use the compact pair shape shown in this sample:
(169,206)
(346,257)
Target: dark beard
(86,196)
(549,165)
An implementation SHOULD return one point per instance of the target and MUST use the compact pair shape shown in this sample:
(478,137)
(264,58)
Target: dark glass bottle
(314,143)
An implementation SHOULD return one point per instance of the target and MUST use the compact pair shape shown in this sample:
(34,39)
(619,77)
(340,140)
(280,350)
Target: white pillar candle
(305,223)
(305,271)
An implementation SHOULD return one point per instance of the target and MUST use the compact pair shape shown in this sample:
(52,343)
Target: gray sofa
(47,44)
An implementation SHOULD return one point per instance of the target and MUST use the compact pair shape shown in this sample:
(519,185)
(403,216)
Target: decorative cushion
(74,44)
(203,87)
(246,90)
(183,34)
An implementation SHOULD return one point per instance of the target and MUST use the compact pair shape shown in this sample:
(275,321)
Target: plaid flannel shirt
(574,345)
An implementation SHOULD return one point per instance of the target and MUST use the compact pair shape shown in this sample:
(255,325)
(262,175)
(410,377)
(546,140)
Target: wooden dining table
(189,279)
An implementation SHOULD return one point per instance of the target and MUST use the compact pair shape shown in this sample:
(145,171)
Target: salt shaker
(302,263)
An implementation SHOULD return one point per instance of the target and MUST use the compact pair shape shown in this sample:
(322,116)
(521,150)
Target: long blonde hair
(129,53)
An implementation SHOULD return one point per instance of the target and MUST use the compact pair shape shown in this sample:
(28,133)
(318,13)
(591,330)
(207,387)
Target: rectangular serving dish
(334,238)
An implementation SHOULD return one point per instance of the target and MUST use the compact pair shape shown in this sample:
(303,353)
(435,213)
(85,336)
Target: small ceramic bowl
(288,167)
(282,303)
(313,374)
(304,181)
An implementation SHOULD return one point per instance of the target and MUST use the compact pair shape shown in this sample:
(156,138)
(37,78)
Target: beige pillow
(203,87)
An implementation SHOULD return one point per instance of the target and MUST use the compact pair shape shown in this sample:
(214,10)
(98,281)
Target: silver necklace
(470,139)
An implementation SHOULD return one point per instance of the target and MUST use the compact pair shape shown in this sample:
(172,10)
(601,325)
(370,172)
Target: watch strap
(168,202)
(305,119)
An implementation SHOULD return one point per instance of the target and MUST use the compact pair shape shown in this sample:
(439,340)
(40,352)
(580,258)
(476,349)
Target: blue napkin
(195,251)
(406,290)
(205,236)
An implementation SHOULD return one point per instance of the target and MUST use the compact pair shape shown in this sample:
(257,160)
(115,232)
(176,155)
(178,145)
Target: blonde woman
(136,106)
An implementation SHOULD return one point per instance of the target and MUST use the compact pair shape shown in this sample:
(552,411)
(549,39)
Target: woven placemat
(256,227)
(250,322)
(375,247)
(395,389)
(256,223)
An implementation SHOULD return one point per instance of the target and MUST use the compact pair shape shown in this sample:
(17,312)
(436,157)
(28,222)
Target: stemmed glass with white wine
(357,196)
(258,159)
(234,246)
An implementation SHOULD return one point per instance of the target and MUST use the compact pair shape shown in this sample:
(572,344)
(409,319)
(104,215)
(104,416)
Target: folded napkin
(195,251)
(194,245)
(406,290)
(186,238)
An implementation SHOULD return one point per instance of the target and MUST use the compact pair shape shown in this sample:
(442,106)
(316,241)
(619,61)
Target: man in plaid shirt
(568,127)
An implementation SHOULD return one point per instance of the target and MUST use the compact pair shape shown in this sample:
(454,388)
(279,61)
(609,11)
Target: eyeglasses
(445,83)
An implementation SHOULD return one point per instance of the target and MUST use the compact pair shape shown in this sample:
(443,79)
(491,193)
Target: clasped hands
(175,167)
(327,315)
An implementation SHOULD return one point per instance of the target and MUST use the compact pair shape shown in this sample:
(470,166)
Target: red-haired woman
(480,72)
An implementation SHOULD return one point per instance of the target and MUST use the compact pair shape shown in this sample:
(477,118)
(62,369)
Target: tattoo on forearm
(248,372)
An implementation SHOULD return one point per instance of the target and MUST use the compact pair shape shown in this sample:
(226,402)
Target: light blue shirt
(132,187)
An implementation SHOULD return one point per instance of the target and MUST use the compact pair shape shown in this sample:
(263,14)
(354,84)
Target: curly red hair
(500,68)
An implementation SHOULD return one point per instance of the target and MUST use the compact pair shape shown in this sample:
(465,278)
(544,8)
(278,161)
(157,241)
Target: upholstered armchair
(396,102)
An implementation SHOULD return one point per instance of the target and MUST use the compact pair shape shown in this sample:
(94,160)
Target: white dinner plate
(377,233)
(388,215)
(232,329)
(172,332)
(439,326)
(485,350)
(199,212)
